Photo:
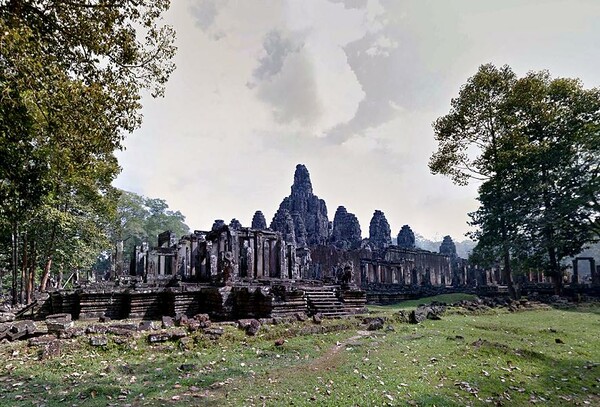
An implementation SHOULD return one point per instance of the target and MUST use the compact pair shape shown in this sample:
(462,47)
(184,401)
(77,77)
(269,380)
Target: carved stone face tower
(380,234)
(406,238)
(306,209)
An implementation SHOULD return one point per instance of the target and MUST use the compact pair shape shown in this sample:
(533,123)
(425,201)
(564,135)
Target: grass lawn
(496,358)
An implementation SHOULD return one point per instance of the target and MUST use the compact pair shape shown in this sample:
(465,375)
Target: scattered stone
(159,337)
(187,367)
(59,326)
(41,340)
(167,322)
(115,330)
(559,341)
(279,342)
(181,320)
(146,326)
(423,312)
(213,333)
(301,316)
(104,318)
(96,329)
(318,318)
(98,340)
(253,328)
(73,332)
(375,325)
(19,329)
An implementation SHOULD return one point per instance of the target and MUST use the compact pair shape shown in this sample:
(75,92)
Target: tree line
(533,145)
(72,75)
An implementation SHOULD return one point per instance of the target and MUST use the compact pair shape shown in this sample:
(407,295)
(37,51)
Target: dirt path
(327,360)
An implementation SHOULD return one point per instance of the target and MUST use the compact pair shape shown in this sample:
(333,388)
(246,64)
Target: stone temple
(301,263)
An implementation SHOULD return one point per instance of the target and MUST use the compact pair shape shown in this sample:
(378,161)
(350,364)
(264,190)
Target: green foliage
(139,219)
(71,78)
(533,143)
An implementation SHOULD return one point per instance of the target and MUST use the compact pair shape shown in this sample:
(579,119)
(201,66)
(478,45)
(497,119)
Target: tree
(71,78)
(536,152)
(139,219)
(472,141)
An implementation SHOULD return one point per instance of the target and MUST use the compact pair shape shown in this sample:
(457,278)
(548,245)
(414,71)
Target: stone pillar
(596,276)
(575,272)
(592,269)
(259,256)
(266,253)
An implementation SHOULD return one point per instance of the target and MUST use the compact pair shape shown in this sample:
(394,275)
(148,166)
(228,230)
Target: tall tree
(539,191)
(71,78)
(472,140)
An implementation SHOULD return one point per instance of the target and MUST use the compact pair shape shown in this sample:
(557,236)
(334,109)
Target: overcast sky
(347,87)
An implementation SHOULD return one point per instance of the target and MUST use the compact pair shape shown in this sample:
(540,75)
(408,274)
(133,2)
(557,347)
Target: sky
(349,88)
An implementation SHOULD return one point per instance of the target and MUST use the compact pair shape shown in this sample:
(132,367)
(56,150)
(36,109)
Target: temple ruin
(301,263)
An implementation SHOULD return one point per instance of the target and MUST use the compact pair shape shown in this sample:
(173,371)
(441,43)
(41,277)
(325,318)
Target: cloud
(205,13)
(285,80)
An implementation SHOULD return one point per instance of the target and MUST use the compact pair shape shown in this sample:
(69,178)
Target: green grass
(447,298)
(498,358)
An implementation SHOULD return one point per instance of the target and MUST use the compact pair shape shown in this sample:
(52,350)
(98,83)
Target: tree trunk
(48,265)
(507,269)
(14,258)
(46,274)
(31,276)
(23,282)
(555,271)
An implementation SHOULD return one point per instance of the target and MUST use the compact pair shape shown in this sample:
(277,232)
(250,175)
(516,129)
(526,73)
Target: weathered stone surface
(41,340)
(59,317)
(299,229)
(259,221)
(448,247)
(167,322)
(96,329)
(253,328)
(218,224)
(119,331)
(424,312)
(346,232)
(159,337)
(375,324)
(58,326)
(406,238)
(380,235)
(301,316)
(146,326)
(318,318)
(72,332)
(181,319)
(98,340)
(283,223)
(166,336)
(213,333)
(310,208)
(18,330)
(7,317)
(235,224)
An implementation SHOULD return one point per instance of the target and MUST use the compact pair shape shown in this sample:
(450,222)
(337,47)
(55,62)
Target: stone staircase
(324,300)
